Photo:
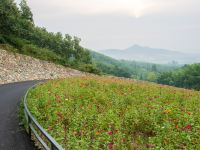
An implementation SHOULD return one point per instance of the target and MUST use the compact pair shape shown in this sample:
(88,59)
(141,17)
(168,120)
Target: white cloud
(95,7)
(134,8)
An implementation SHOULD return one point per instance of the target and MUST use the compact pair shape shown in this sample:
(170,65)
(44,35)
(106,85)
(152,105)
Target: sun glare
(135,8)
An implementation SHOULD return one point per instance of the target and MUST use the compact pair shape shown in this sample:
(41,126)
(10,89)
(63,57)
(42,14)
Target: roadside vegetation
(112,113)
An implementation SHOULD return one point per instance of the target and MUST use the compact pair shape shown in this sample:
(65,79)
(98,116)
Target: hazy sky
(104,24)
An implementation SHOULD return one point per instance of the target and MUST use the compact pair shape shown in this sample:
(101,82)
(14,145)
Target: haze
(105,24)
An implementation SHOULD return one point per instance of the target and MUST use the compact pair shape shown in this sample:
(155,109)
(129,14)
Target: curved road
(12,136)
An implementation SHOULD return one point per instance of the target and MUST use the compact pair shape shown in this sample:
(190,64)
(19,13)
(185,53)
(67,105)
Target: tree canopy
(17,28)
(187,77)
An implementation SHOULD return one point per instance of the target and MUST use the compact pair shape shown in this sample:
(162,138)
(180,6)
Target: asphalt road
(12,136)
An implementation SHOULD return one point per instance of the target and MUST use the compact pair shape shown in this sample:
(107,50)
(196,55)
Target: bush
(42,53)
(8,48)
(2,40)
(15,42)
(89,68)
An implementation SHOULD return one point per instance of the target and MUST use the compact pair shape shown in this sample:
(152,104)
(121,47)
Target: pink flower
(110,145)
(110,133)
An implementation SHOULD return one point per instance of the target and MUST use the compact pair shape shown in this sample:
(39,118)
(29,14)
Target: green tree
(187,77)
(25,11)
(151,76)
(9,16)
(154,68)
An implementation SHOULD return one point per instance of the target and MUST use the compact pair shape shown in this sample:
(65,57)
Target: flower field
(111,113)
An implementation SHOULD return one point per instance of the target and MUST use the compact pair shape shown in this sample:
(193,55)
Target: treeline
(187,77)
(17,29)
(130,69)
(110,66)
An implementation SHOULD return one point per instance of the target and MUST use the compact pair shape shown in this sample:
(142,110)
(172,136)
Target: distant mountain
(153,55)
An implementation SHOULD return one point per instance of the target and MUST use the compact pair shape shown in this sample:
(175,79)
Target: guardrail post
(29,128)
(53,147)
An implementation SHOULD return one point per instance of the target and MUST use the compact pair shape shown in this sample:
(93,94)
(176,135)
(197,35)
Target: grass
(112,113)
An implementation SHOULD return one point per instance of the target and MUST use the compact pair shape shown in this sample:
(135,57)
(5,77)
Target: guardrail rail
(32,123)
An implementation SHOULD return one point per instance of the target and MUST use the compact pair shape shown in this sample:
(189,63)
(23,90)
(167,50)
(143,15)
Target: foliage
(109,113)
(25,11)
(9,16)
(188,77)
(91,68)
(17,29)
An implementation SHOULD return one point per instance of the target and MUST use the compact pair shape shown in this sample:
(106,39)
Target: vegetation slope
(111,113)
(130,69)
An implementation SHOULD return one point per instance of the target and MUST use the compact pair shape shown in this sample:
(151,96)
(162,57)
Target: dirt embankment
(17,67)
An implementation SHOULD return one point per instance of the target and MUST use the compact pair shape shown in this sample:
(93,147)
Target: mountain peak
(152,55)
(135,46)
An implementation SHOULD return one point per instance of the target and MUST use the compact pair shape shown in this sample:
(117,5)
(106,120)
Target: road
(12,136)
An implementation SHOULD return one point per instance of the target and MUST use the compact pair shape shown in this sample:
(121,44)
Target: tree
(9,16)
(151,76)
(25,11)
(154,68)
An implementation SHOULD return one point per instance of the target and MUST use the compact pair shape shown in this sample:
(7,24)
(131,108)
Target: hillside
(16,67)
(153,55)
(130,69)
(112,113)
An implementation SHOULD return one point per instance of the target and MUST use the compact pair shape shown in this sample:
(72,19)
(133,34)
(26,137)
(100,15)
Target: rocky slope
(17,67)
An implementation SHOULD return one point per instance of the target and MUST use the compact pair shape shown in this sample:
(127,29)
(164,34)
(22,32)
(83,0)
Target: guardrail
(32,124)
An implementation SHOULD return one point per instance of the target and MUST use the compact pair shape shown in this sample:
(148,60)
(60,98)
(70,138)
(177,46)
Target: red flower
(188,127)
(110,145)
(134,147)
(150,145)
(110,133)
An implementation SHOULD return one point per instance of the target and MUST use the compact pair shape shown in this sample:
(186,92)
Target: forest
(187,76)
(131,69)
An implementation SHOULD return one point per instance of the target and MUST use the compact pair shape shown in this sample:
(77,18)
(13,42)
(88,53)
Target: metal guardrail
(32,122)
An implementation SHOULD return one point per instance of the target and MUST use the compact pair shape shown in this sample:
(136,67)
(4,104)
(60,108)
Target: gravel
(17,67)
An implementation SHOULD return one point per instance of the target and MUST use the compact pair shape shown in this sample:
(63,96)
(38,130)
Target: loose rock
(17,67)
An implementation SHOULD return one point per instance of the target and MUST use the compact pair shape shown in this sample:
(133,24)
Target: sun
(137,8)
(134,8)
